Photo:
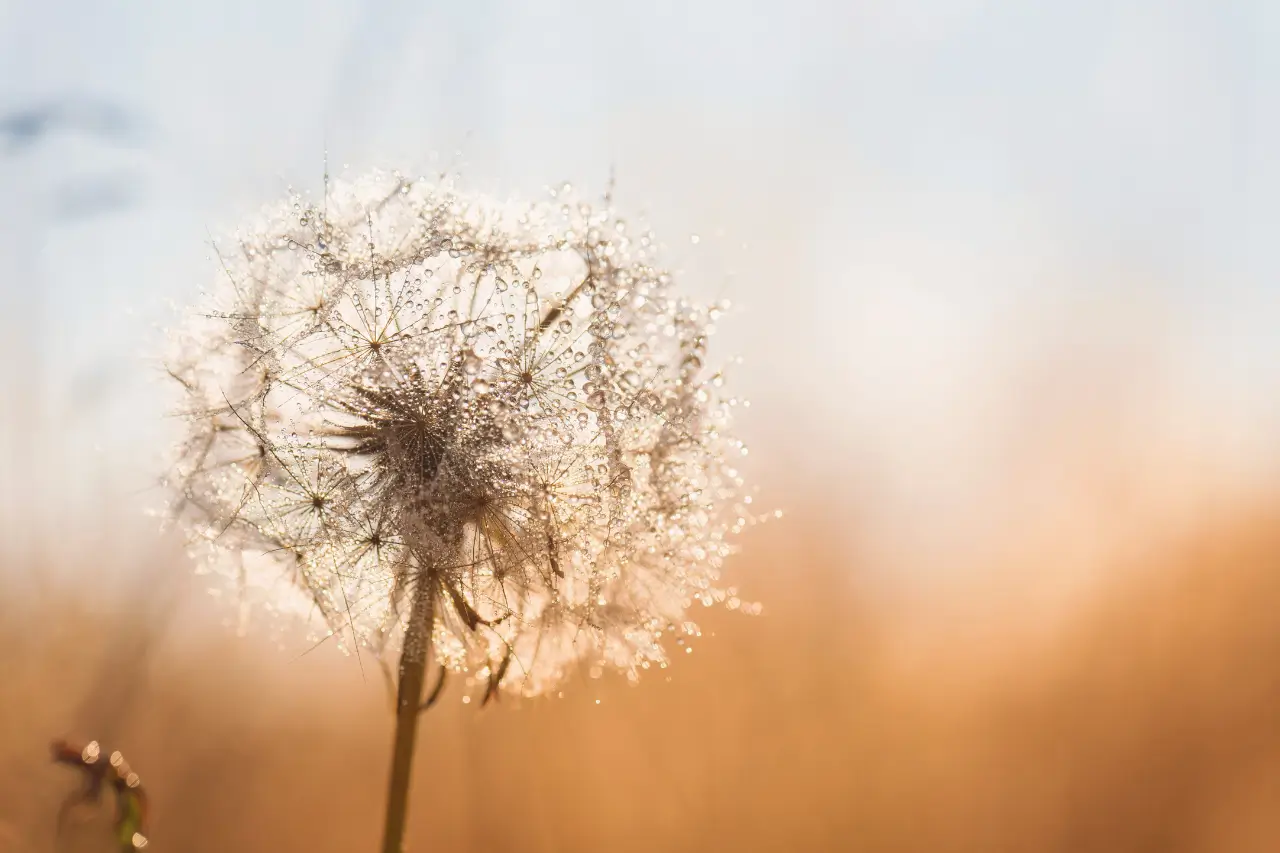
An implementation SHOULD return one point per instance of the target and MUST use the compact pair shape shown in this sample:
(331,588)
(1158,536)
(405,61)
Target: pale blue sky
(927,190)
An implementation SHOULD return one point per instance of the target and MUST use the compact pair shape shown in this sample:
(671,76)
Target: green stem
(413,669)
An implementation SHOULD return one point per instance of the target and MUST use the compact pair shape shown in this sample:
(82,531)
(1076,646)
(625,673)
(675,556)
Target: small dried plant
(472,432)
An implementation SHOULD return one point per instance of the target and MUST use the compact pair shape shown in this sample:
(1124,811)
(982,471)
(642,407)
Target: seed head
(407,388)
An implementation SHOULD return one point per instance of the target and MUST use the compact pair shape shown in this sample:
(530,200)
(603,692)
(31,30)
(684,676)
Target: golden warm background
(1017,706)
(1005,295)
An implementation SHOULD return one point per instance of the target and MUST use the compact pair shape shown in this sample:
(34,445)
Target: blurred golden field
(990,711)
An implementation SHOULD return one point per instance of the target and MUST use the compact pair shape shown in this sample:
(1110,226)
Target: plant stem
(413,668)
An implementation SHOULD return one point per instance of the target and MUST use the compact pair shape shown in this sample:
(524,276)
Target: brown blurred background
(1137,713)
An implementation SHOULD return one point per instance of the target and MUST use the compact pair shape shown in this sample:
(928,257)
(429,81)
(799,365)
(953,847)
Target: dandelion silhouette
(471,432)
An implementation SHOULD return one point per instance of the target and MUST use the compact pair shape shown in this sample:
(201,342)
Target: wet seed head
(406,388)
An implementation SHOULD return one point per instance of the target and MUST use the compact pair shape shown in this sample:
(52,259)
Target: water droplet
(565,327)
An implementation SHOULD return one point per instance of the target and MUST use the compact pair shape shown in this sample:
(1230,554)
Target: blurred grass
(1144,720)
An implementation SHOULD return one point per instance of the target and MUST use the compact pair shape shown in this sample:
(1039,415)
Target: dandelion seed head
(404,389)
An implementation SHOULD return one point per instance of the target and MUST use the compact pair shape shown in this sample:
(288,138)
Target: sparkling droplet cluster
(406,387)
